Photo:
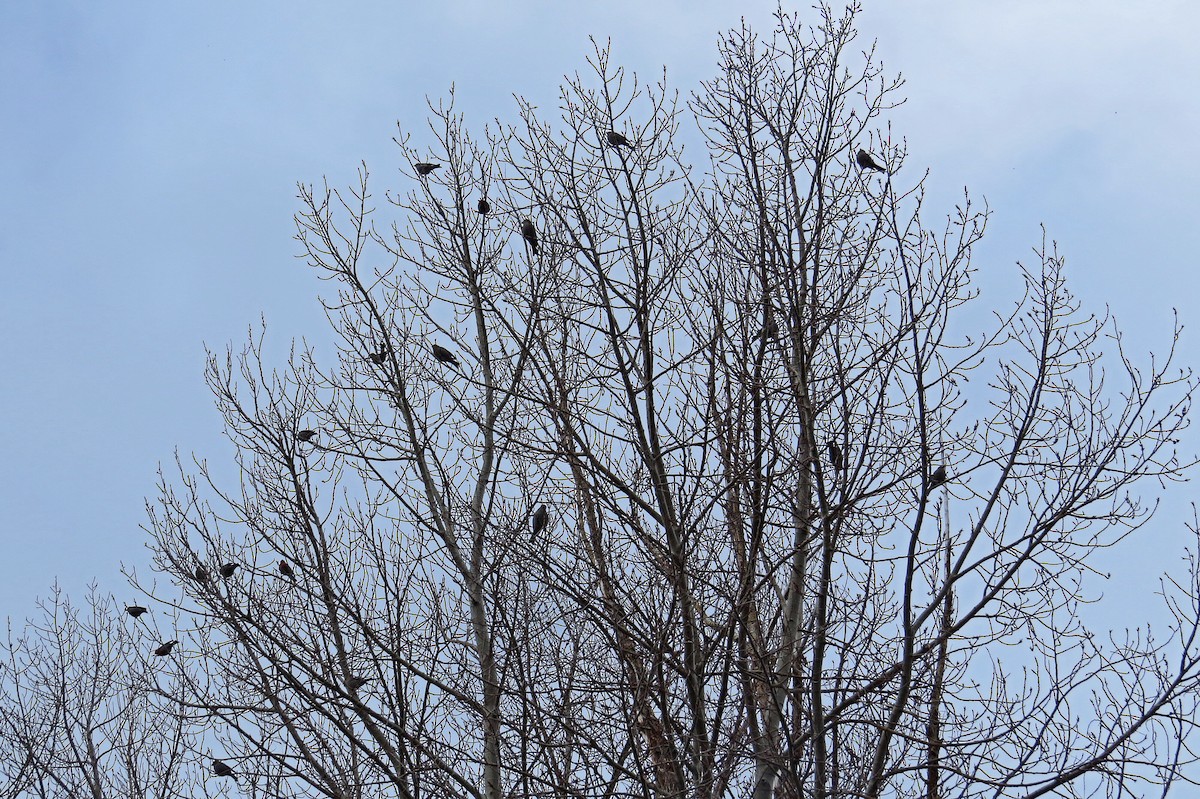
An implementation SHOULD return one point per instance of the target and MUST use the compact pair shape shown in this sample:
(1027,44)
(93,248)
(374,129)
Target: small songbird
(835,457)
(136,610)
(444,355)
(616,139)
(865,161)
(483,206)
(424,169)
(379,358)
(306,435)
(221,768)
(228,569)
(201,574)
(354,682)
(541,517)
(286,570)
(938,477)
(529,233)
(165,649)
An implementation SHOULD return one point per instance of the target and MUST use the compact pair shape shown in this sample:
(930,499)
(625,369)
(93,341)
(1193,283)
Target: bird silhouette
(444,355)
(379,358)
(529,233)
(306,435)
(541,517)
(616,139)
(938,477)
(228,569)
(424,169)
(865,161)
(165,649)
(286,570)
(221,768)
(135,610)
(483,206)
(835,457)
(354,682)
(201,574)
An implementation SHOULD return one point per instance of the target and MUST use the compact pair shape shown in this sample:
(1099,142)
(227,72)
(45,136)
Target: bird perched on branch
(483,206)
(835,457)
(165,649)
(541,517)
(443,355)
(286,570)
(865,161)
(221,768)
(938,477)
(227,569)
(379,358)
(424,169)
(306,436)
(529,233)
(354,682)
(616,139)
(201,574)
(135,610)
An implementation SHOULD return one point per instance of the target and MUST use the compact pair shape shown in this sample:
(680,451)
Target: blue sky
(149,154)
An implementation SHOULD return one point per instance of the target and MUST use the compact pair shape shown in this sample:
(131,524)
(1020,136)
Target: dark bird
(306,435)
(221,768)
(228,569)
(354,682)
(483,206)
(165,649)
(424,169)
(286,570)
(201,574)
(835,457)
(529,233)
(135,610)
(770,327)
(444,355)
(616,139)
(379,358)
(938,477)
(541,517)
(865,161)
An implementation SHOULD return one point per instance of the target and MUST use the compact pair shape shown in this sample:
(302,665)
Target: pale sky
(149,154)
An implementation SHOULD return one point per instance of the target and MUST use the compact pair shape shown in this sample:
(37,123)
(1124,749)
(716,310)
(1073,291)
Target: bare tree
(77,710)
(667,356)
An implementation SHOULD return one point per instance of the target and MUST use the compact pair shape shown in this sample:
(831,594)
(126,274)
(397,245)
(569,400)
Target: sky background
(149,154)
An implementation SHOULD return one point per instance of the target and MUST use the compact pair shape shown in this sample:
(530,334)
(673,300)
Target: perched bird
(306,435)
(221,768)
(770,327)
(529,233)
(286,570)
(135,610)
(541,517)
(227,570)
(201,574)
(865,161)
(483,206)
(616,139)
(379,358)
(424,169)
(835,457)
(938,477)
(444,355)
(354,682)
(165,649)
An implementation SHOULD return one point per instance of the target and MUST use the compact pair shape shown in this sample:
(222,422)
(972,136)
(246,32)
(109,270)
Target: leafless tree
(661,353)
(78,716)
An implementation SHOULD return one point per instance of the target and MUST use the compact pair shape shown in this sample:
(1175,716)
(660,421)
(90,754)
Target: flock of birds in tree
(541,516)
